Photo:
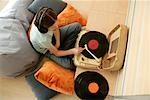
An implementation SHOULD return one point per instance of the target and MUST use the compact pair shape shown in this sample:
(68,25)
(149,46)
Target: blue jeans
(68,36)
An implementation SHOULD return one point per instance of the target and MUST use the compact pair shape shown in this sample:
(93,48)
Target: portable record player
(94,57)
(94,45)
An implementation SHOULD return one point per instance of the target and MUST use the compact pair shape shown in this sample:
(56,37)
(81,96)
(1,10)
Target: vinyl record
(97,43)
(91,85)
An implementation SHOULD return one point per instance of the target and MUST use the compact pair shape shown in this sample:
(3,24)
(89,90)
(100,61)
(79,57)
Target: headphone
(40,27)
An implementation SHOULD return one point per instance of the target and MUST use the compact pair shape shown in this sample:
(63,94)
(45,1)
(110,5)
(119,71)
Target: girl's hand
(76,51)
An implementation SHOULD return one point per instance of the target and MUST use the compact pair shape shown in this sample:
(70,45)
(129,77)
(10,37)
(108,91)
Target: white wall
(134,79)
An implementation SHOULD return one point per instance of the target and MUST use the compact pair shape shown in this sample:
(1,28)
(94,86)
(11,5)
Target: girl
(41,35)
(57,44)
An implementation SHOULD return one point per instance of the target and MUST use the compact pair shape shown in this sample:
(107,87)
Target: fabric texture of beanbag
(16,53)
(17,9)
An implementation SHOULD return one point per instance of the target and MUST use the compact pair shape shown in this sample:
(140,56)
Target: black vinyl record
(96,42)
(85,80)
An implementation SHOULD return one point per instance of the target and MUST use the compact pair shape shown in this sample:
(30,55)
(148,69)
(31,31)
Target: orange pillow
(70,15)
(56,77)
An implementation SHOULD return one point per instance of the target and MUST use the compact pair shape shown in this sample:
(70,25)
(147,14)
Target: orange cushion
(56,77)
(70,15)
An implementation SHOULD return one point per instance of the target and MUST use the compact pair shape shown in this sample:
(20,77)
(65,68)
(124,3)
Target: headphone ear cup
(43,30)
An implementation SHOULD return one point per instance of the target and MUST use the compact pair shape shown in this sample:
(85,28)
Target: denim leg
(65,62)
(68,35)
(40,91)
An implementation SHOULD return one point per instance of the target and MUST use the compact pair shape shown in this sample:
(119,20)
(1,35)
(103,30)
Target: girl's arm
(57,37)
(57,52)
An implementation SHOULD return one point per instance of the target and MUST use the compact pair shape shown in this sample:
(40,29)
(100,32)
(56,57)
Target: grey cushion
(56,5)
(17,9)
(41,91)
(16,53)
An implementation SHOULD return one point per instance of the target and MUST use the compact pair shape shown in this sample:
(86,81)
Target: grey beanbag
(16,53)
(17,9)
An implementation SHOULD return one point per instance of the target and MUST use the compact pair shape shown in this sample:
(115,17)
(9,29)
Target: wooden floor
(18,89)
(15,89)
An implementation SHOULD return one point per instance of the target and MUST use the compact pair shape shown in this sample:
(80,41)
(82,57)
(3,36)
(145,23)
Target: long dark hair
(45,18)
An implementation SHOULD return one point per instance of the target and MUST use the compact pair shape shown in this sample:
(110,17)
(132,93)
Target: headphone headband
(39,24)
(40,27)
